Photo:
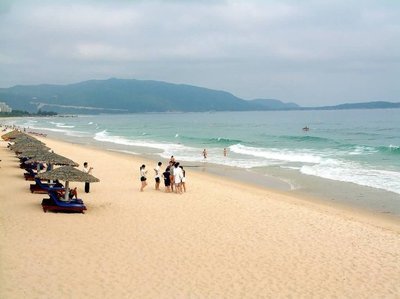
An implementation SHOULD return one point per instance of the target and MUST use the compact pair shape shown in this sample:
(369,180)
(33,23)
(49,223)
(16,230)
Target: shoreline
(342,200)
(349,194)
(220,239)
(346,195)
(218,172)
(342,195)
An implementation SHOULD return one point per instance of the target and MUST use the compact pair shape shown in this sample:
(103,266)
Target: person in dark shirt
(167,179)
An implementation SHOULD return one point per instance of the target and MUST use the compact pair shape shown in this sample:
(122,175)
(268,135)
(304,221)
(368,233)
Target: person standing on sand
(87,170)
(178,178)
(167,180)
(143,178)
(172,174)
(183,180)
(205,154)
(158,175)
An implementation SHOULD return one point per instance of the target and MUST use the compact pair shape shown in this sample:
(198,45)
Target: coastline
(290,177)
(221,238)
(343,196)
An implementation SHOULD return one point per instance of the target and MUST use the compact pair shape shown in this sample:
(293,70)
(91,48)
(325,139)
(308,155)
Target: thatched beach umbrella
(27,146)
(67,174)
(26,139)
(21,135)
(11,135)
(51,158)
(31,152)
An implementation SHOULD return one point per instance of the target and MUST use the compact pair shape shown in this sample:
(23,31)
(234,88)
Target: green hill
(117,96)
(129,96)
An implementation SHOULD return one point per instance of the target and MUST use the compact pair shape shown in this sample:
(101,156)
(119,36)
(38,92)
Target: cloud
(296,51)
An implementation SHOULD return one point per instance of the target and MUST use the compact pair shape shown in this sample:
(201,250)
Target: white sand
(221,239)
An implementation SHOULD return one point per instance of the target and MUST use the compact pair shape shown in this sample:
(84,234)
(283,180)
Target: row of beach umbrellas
(35,151)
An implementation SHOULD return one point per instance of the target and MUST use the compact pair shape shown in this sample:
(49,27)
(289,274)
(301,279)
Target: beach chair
(61,195)
(43,188)
(53,203)
(22,163)
(30,174)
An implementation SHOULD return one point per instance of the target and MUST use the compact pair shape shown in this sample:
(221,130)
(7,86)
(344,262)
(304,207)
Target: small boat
(306,128)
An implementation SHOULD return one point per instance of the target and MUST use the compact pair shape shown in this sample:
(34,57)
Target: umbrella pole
(50,167)
(66,191)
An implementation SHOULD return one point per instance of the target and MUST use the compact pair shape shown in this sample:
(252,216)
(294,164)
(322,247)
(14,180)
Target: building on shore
(4,107)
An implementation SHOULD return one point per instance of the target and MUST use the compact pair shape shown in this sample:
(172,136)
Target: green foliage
(46,113)
(20,113)
(14,113)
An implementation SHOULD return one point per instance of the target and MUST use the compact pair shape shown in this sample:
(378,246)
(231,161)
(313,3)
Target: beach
(220,239)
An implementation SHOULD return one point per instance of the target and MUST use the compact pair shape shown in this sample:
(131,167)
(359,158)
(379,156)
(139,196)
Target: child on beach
(143,178)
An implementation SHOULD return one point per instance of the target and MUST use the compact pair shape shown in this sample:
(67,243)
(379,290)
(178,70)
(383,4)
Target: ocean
(348,156)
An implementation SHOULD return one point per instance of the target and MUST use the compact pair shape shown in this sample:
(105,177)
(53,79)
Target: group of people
(174,177)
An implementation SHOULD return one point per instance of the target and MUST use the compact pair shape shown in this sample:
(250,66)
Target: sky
(311,52)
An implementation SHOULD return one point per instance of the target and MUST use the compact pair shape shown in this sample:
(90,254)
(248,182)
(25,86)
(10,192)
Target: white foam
(215,156)
(362,150)
(61,125)
(275,154)
(355,173)
(104,136)
(66,132)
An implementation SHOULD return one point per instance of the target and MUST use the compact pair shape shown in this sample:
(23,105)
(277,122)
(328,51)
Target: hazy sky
(312,52)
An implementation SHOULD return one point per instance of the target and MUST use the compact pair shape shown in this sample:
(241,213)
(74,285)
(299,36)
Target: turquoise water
(360,147)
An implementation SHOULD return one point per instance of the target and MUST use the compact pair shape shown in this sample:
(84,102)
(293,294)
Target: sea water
(356,151)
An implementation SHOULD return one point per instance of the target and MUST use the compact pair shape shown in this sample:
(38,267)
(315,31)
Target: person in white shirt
(183,182)
(157,177)
(143,178)
(178,174)
(88,170)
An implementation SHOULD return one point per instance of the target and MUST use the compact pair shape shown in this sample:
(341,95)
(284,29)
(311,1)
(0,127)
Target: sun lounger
(43,188)
(30,174)
(53,203)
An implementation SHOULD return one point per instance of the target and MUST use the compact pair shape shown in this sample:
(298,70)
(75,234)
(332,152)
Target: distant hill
(128,96)
(366,105)
(118,96)
(272,104)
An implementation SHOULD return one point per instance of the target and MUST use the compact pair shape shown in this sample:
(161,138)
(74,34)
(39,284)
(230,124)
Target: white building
(4,107)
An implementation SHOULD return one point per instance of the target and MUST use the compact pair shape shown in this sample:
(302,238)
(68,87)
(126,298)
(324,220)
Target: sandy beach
(221,239)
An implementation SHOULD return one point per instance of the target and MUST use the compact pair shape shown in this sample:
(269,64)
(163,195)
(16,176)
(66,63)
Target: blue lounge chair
(43,188)
(55,204)
(30,174)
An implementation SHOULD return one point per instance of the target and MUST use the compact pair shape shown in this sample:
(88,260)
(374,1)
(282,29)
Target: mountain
(365,105)
(128,96)
(119,95)
(272,104)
